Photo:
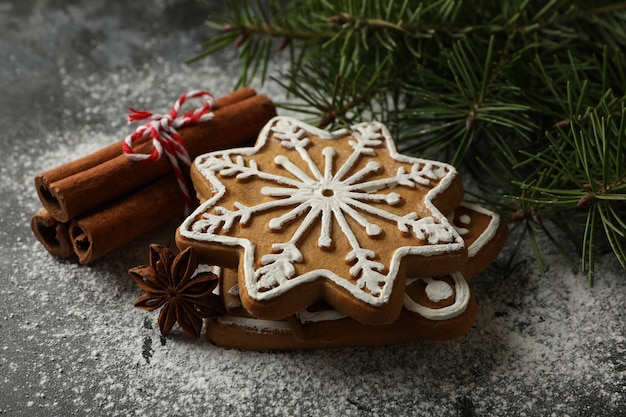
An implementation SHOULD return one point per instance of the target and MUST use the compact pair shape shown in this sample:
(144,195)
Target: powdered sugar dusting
(72,344)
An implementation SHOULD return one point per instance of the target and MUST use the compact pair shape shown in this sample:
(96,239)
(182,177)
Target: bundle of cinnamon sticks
(99,202)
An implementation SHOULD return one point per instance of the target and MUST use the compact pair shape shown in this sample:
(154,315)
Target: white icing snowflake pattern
(322,197)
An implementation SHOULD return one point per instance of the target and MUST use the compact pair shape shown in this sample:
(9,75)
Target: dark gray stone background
(72,344)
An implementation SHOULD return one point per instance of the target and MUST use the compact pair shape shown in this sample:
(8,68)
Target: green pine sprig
(525,96)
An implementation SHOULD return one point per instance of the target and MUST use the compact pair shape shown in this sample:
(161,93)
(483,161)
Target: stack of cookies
(334,239)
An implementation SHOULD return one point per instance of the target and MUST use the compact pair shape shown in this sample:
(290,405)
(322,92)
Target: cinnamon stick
(43,180)
(52,234)
(232,125)
(122,221)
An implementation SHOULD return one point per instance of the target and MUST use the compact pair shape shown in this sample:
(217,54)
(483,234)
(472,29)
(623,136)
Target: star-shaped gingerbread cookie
(308,215)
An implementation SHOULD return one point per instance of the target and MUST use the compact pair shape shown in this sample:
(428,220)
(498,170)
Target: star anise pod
(169,282)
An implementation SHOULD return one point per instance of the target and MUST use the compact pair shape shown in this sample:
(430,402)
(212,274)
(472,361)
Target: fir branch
(527,96)
(584,181)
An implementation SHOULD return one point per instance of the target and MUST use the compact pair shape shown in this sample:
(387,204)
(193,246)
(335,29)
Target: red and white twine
(165,137)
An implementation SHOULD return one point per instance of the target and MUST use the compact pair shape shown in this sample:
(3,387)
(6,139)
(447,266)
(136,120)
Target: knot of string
(162,128)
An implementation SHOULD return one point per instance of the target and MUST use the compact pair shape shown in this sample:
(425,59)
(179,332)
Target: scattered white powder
(71,342)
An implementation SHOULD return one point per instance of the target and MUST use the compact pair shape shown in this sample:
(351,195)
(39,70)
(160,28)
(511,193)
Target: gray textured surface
(72,344)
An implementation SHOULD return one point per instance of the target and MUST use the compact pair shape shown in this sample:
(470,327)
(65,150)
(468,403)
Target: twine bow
(165,137)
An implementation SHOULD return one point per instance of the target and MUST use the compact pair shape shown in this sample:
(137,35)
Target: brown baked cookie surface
(484,234)
(437,308)
(306,216)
